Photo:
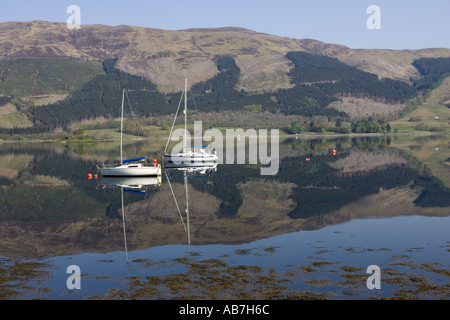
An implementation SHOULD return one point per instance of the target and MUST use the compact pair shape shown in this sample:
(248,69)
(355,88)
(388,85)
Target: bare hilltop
(164,56)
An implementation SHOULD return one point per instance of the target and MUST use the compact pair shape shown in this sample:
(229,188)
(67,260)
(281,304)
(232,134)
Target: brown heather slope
(165,56)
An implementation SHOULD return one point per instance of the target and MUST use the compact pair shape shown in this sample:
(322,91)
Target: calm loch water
(309,232)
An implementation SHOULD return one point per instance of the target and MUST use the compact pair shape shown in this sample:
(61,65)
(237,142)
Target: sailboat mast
(185,114)
(123,225)
(187,208)
(121,126)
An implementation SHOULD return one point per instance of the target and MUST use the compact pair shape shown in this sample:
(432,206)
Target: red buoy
(89,176)
(307,159)
(154,162)
(334,152)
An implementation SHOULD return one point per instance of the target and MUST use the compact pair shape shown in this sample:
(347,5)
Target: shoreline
(302,135)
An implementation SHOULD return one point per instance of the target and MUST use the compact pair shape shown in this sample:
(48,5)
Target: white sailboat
(199,158)
(131,167)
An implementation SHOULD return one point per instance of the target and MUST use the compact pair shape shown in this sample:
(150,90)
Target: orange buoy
(89,176)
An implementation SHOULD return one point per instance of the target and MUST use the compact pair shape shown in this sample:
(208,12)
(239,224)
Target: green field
(432,151)
(432,116)
(14,120)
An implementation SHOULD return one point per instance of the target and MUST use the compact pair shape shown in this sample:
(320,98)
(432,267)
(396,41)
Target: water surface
(308,232)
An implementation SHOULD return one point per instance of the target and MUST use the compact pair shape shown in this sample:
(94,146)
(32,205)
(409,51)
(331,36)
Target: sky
(402,24)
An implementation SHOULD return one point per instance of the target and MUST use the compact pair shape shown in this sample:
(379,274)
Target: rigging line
(187,208)
(176,203)
(131,111)
(193,99)
(123,224)
(174,119)
(140,133)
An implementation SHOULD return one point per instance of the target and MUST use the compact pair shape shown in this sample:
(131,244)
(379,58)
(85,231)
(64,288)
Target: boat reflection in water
(144,185)
(132,184)
(189,171)
(138,185)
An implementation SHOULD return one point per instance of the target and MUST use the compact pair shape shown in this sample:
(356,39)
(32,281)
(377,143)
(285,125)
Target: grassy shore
(157,133)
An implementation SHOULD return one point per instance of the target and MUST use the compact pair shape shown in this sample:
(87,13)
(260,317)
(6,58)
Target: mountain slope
(317,80)
(164,56)
(31,80)
(58,76)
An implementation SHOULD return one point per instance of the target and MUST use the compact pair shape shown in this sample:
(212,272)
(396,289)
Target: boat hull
(192,160)
(130,181)
(127,171)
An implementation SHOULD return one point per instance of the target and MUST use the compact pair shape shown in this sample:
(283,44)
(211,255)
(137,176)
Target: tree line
(432,71)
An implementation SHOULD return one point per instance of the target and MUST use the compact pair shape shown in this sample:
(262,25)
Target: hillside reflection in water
(340,212)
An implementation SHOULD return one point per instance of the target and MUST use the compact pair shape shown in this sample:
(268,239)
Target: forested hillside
(334,77)
(432,70)
(102,97)
(317,80)
(27,77)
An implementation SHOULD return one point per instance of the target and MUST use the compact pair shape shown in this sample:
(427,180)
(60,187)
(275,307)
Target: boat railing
(109,165)
(126,162)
